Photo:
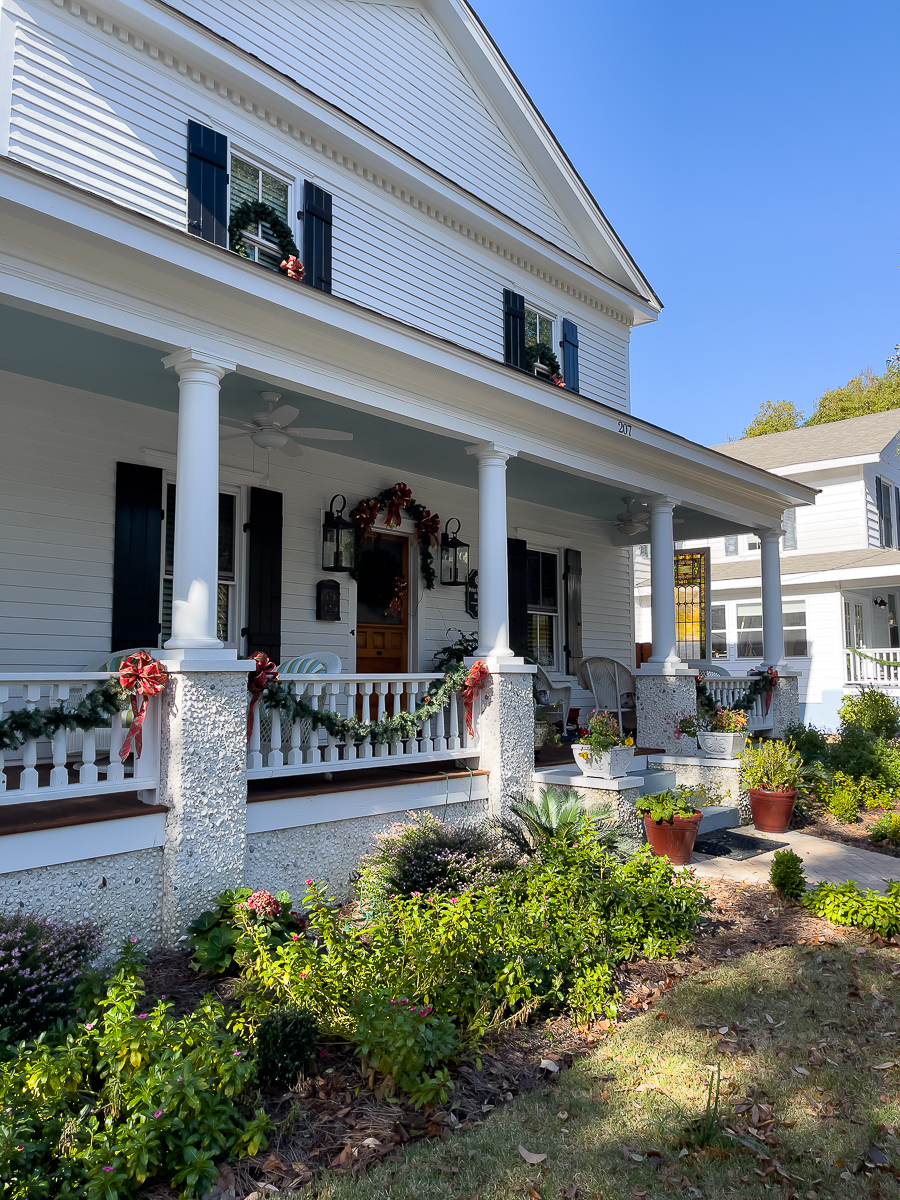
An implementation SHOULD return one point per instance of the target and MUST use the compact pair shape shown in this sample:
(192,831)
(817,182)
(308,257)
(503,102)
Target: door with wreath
(382,605)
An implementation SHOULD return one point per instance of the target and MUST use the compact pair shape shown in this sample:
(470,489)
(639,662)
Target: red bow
(558,380)
(294,267)
(143,677)
(364,515)
(773,675)
(396,604)
(257,681)
(401,496)
(478,673)
(428,529)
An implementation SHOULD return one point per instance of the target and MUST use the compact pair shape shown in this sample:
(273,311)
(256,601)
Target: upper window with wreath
(251,187)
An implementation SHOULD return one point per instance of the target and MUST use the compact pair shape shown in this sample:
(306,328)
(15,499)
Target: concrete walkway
(822,860)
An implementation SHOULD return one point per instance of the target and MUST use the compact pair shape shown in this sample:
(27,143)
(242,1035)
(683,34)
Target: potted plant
(724,735)
(772,772)
(545,731)
(671,822)
(601,750)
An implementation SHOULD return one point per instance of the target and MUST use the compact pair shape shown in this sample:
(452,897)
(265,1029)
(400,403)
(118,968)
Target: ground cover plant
(41,963)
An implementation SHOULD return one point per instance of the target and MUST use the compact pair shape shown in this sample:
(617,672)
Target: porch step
(655,780)
(718,816)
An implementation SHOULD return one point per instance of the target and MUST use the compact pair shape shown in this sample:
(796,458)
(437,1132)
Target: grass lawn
(804,1029)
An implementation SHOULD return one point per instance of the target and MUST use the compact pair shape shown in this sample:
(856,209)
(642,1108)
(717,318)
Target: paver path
(822,860)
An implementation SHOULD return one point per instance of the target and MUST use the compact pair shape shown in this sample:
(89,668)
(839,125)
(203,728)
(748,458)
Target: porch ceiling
(41,347)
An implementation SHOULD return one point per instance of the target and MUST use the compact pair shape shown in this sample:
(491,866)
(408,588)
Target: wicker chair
(612,686)
(551,695)
(697,664)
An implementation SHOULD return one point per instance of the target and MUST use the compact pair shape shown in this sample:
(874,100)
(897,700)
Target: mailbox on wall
(328,600)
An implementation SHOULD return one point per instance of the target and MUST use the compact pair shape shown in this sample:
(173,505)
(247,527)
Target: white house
(444,236)
(840,563)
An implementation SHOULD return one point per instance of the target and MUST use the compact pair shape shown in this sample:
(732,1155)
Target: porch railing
(863,671)
(277,747)
(72,762)
(726,690)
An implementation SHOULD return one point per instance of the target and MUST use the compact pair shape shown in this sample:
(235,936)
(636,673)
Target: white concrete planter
(607,764)
(721,745)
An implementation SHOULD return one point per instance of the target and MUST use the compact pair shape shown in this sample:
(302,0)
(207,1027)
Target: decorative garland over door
(395,500)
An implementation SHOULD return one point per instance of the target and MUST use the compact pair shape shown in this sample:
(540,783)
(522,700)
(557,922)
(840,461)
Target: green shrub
(845,904)
(92,1111)
(807,741)
(874,793)
(286,1042)
(401,1038)
(874,710)
(842,798)
(786,874)
(887,763)
(41,963)
(887,829)
(679,801)
(772,766)
(855,751)
(214,935)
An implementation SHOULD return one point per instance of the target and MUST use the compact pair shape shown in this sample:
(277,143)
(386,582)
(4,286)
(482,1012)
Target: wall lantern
(454,557)
(338,539)
(880,602)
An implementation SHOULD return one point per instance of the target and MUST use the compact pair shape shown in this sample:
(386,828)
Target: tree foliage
(774,416)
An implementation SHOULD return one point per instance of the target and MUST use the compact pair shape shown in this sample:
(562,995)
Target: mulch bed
(819,822)
(337,1122)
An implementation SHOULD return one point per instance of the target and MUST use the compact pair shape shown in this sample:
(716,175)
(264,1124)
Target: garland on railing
(882,662)
(394,500)
(469,681)
(762,685)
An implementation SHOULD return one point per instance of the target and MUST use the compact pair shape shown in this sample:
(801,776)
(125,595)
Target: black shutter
(879,503)
(136,556)
(207,184)
(264,569)
(513,328)
(517,567)
(572,581)
(570,354)
(316,237)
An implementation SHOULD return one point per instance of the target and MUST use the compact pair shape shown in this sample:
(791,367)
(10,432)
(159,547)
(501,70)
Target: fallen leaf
(876,1156)
(447,1170)
(885,1066)
(562,1114)
(723,1029)
(547,1064)
(570,1193)
(272,1165)
(372,1142)
(531,1158)
(801,1071)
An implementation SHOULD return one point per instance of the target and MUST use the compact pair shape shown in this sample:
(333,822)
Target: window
(542,596)
(858,628)
(252,183)
(749,631)
(884,502)
(718,636)
(691,600)
(794,621)
(848,625)
(789,523)
(752,545)
(893,628)
(226,608)
(731,544)
(538,328)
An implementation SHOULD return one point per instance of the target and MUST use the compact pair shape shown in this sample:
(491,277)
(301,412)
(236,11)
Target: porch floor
(286,788)
(30,817)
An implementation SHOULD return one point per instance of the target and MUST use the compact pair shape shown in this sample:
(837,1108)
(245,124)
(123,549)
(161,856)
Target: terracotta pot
(674,839)
(772,811)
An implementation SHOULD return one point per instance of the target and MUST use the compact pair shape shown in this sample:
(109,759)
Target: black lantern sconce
(880,602)
(454,557)
(338,539)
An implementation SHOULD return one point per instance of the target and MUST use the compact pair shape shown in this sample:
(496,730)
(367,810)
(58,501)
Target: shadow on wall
(824,715)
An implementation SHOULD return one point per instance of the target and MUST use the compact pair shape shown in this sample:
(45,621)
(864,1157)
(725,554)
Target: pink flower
(107,1168)
(157,1114)
(89,1025)
(309,883)
(132,940)
(323,1054)
(142,1016)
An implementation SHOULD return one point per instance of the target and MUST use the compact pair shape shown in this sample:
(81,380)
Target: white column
(195,576)
(772,618)
(493,576)
(662,584)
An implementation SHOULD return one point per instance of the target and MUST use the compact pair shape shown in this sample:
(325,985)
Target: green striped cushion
(302,666)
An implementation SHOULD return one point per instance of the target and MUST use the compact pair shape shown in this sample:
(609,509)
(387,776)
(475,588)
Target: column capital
(662,502)
(768,535)
(491,450)
(201,361)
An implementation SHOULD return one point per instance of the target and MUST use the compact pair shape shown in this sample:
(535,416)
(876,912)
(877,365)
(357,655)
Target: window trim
(253,160)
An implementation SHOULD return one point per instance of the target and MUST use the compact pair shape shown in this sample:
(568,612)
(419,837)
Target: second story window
(884,502)
(530,341)
(253,183)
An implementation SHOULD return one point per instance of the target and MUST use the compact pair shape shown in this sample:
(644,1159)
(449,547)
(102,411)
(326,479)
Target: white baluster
(314,695)
(59,776)
(453,742)
(29,779)
(116,769)
(295,754)
(364,688)
(381,749)
(254,757)
(4,696)
(276,758)
(440,741)
(87,772)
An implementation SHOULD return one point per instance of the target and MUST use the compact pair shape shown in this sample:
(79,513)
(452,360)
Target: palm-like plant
(559,816)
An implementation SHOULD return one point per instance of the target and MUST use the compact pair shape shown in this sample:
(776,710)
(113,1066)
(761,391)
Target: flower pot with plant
(671,823)
(601,750)
(772,773)
(724,735)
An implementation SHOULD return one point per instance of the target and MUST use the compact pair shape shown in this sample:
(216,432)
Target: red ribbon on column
(773,675)
(143,677)
(257,681)
(478,673)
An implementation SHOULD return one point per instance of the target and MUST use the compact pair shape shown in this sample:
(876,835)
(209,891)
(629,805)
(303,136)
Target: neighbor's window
(794,621)
(542,595)
(226,612)
(885,502)
(789,524)
(538,328)
(731,544)
(749,631)
(252,183)
(719,638)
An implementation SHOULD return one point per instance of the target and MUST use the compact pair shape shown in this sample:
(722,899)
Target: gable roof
(816,443)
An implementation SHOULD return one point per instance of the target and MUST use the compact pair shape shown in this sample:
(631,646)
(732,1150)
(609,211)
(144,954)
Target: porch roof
(868,565)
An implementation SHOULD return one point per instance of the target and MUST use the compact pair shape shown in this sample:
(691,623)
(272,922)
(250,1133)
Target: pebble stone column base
(506,725)
(204,784)
(662,701)
(785,704)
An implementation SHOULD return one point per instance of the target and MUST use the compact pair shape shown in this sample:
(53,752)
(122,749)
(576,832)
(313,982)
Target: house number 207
(625,428)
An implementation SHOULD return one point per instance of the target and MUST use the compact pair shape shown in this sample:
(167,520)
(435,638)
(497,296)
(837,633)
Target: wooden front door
(382,635)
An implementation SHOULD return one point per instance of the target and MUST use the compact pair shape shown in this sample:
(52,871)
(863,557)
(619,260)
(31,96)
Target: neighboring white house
(840,562)
(444,234)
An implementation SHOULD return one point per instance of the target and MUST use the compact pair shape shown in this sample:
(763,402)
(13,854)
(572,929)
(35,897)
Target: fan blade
(292,449)
(231,436)
(284,415)
(321,435)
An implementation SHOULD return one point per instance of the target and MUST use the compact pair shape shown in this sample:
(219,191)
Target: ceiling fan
(270,430)
(630,523)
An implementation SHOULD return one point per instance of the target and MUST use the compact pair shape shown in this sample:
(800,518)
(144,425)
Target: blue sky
(747,154)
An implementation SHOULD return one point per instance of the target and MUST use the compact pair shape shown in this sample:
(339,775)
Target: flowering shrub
(401,1038)
(214,935)
(264,904)
(728,720)
(602,732)
(94,1111)
(426,855)
(41,962)
(887,829)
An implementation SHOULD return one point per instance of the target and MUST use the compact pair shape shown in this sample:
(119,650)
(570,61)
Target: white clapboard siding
(86,119)
(390,68)
(603,362)
(838,520)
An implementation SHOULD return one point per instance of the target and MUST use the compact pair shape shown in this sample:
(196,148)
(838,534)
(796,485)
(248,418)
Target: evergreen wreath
(252,212)
(542,352)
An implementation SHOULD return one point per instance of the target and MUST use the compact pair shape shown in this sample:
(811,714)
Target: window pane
(731,544)
(749,644)
(226,536)
(795,644)
(275,192)
(545,330)
(541,580)
(717,616)
(542,639)
(749,616)
(719,644)
(531,327)
(223,608)
(244,184)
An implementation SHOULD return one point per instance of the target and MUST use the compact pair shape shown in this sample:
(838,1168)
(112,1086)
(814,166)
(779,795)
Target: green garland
(389,729)
(542,352)
(882,662)
(418,512)
(706,703)
(252,212)
(94,712)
